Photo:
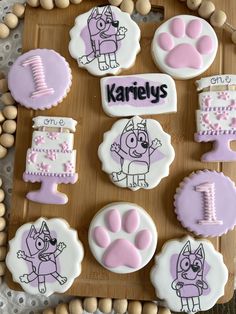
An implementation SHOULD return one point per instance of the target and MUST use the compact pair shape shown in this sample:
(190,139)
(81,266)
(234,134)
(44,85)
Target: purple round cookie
(40,79)
(205,203)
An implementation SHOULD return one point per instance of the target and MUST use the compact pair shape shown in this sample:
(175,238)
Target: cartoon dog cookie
(136,153)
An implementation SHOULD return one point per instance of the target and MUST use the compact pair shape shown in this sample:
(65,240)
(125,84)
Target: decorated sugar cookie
(136,153)
(138,94)
(48,255)
(200,204)
(122,237)
(184,46)
(216,118)
(40,79)
(189,275)
(51,160)
(104,40)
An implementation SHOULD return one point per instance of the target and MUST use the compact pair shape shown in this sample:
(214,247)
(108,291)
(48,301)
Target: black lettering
(155,91)
(120,94)
(163,88)
(141,93)
(110,91)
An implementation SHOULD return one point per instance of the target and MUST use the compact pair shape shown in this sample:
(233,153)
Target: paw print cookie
(104,40)
(122,237)
(184,46)
(136,153)
(189,275)
(48,255)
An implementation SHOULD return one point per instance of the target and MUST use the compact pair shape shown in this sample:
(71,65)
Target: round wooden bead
(7,99)
(7,140)
(90,304)
(47,4)
(2,195)
(10,112)
(150,308)
(9,126)
(134,307)
(49,311)
(3,238)
(2,223)
(3,253)
(233,37)
(62,4)
(33,3)
(143,7)
(105,305)
(76,1)
(4,31)
(11,20)
(218,18)
(75,307)
(193,4)
(19,10)
(206,9)
(127,6)
(2,268)
(2,118)
(3,86)
(62,309)
(115,2)
(3,151)
(2,209)
(120,306)
(163,310)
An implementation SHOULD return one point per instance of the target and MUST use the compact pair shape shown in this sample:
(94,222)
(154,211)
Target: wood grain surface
(45,29)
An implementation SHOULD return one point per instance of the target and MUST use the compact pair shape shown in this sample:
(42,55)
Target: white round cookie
(136,153)
(122,237)
(105,40)
(48,255)
(189,275)
(184,46)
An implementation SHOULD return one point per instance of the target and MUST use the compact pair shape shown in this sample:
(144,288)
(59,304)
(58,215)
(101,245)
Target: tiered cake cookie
(216,118)
(51,160)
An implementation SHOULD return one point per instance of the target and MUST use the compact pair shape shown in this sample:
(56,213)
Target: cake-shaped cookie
(189,275)
(184,46)
(216,117)
(48,255)
(201,201)
(40,79)
(122,237)
(51,160)
(136,153)
(104,40)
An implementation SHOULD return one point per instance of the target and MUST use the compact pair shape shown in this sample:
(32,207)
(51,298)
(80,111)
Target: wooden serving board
(45,29)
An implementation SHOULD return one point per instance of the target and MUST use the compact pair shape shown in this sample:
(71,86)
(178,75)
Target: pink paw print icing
(39,140)
(206,102)
(123,237)
(184,46)
(223,95)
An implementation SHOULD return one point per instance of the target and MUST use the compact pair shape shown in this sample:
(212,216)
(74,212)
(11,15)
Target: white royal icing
(219,100)
(216,80)
(54,122)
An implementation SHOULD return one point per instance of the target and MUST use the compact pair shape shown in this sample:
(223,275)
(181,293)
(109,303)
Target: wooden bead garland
(90,305)
(142,6)
(150,308)
(4,31)
(163,310)
(193,4)
(135,307)
(11,20)
(62,309)
(218,18)
(75,307)
(105,305)
(120,306)
(62,4)
(206,9)
(19,10)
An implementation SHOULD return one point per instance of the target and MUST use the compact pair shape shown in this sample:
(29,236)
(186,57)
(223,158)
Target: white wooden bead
(3,151)
(134,307)
(2,268)
(3,238)
(2,209)
(3,253)
(7,99)
(2,195)
(10,112)
(75,307)
(47,4)
(19,10)
(127,6)
(9,126)
(11,20)
(2,118)
(90,304)
(115,2)
(33,3)
(62,4)
(218,18)
(193,4)
(2,223)
(163,310)
(3,86)
(105,305)
(150,308)
(120,306)
(49,311)
(206,9)
(7,140)
(76,1)
(143,7)
(4,31)
(62,309)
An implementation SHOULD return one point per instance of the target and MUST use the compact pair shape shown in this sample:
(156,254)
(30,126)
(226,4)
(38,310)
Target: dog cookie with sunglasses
(48,254)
